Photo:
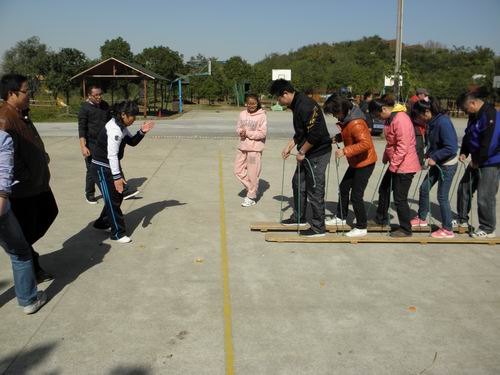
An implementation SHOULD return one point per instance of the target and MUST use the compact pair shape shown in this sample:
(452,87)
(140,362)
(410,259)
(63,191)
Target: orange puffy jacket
(358,144)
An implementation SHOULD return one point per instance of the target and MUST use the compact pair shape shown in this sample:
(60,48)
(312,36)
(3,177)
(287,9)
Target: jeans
(315,194)
(444,184)
(485,181)
(400,183)
(355,181)
(14,243)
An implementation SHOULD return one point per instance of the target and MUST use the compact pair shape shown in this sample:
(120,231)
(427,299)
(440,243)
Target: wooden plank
(269,226)
(331,238)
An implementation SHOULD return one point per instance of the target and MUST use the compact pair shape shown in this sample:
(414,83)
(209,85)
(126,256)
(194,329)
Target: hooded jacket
(255,126)
(442,138)
(400,150)
(358,144)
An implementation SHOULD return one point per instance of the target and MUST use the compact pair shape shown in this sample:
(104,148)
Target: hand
(85,152)
(285,153)
(339,153)
(334,141)
(462,157)
(3,206)
(300,157)
(147,126)
(431,162)
(119,185)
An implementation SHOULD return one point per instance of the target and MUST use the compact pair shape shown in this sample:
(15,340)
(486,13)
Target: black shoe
(101,226)
(129,192)
(311,233)
(42,276)
(90,198)
(292,221)
(399,233)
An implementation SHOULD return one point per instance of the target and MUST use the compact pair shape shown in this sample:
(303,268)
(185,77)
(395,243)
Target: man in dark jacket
(482,142)
(314,147)
(32,201)
(93,116)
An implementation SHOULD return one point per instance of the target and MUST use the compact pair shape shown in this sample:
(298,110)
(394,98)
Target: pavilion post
(84,89)
(145,98)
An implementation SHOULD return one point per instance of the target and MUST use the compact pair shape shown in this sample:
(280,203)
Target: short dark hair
(279,87)
(367,94)
(421,106)
(11,83)
(480,92)
(129,107)
(336,105)
(387,100)
(94,87)
(251,95)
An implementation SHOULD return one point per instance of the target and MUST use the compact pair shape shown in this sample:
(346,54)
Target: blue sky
(250,29)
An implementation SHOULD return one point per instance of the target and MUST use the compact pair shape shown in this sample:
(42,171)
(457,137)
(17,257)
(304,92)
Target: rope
(376,188)
(298,199)
(429,198)
(389,207)
(455,185)
(337,162)
(471,226)
(282,191)
(327,180)
(416,188)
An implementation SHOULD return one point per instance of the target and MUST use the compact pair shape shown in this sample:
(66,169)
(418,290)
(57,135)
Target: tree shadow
(24,362)
(136,182)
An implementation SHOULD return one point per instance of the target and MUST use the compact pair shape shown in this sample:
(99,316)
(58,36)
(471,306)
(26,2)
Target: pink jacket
(255,126)
(401,151)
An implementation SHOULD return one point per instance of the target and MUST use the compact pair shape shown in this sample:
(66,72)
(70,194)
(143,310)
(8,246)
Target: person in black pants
(313,142)
(361,156)
(106,170)
(93,116)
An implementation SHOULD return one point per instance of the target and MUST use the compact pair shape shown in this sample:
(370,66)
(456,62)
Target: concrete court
(156,306)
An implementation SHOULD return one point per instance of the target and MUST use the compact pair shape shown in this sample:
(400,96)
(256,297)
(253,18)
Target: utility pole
(399,48)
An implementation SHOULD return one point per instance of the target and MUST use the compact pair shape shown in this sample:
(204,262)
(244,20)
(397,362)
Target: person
(92,117)
(252,130)
(314,146)
(364,107)
(11,236)
(361,156)
(482,142)
(106,169)
(442,160)
(401,154)
(31,200)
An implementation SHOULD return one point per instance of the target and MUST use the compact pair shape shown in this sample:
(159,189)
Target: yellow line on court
(228,335)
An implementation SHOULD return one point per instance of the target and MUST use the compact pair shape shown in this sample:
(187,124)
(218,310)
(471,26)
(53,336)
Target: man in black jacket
(93,116)
(314,150)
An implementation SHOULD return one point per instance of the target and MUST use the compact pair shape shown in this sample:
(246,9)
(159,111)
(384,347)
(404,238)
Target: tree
(118,48)
(63,65)
(162,60)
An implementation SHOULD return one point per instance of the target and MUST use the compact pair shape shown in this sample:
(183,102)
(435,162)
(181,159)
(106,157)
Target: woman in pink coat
(252,130)
(401,154)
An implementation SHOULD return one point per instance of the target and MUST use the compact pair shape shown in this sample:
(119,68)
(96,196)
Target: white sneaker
(124,239)
(335,221)
(247,202)
(41,299)
(482,234)
(356,232)
(455,223)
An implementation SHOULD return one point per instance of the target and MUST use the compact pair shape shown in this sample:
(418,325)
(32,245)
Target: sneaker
(42,276)
(41,299)
(356,232)
(455,223)
(129,192)
(90,198)
(311,233)
(442,233)
(482,234)
(124,239)
(101,226)
(418,222)
(292,221)
(399,233)
(335,221)
(248,202)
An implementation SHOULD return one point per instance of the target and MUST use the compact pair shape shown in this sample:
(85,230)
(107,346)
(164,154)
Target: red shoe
(418,222)
(443,233)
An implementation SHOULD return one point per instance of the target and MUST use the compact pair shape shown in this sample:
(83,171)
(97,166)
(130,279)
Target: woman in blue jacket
(442,161)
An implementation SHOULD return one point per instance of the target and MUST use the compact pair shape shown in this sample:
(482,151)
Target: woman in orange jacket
(361,156)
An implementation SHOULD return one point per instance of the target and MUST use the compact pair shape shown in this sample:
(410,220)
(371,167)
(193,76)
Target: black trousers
(355,181)
(111,214)
(89,180)
(35,216)
(309,192)
(401,183)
